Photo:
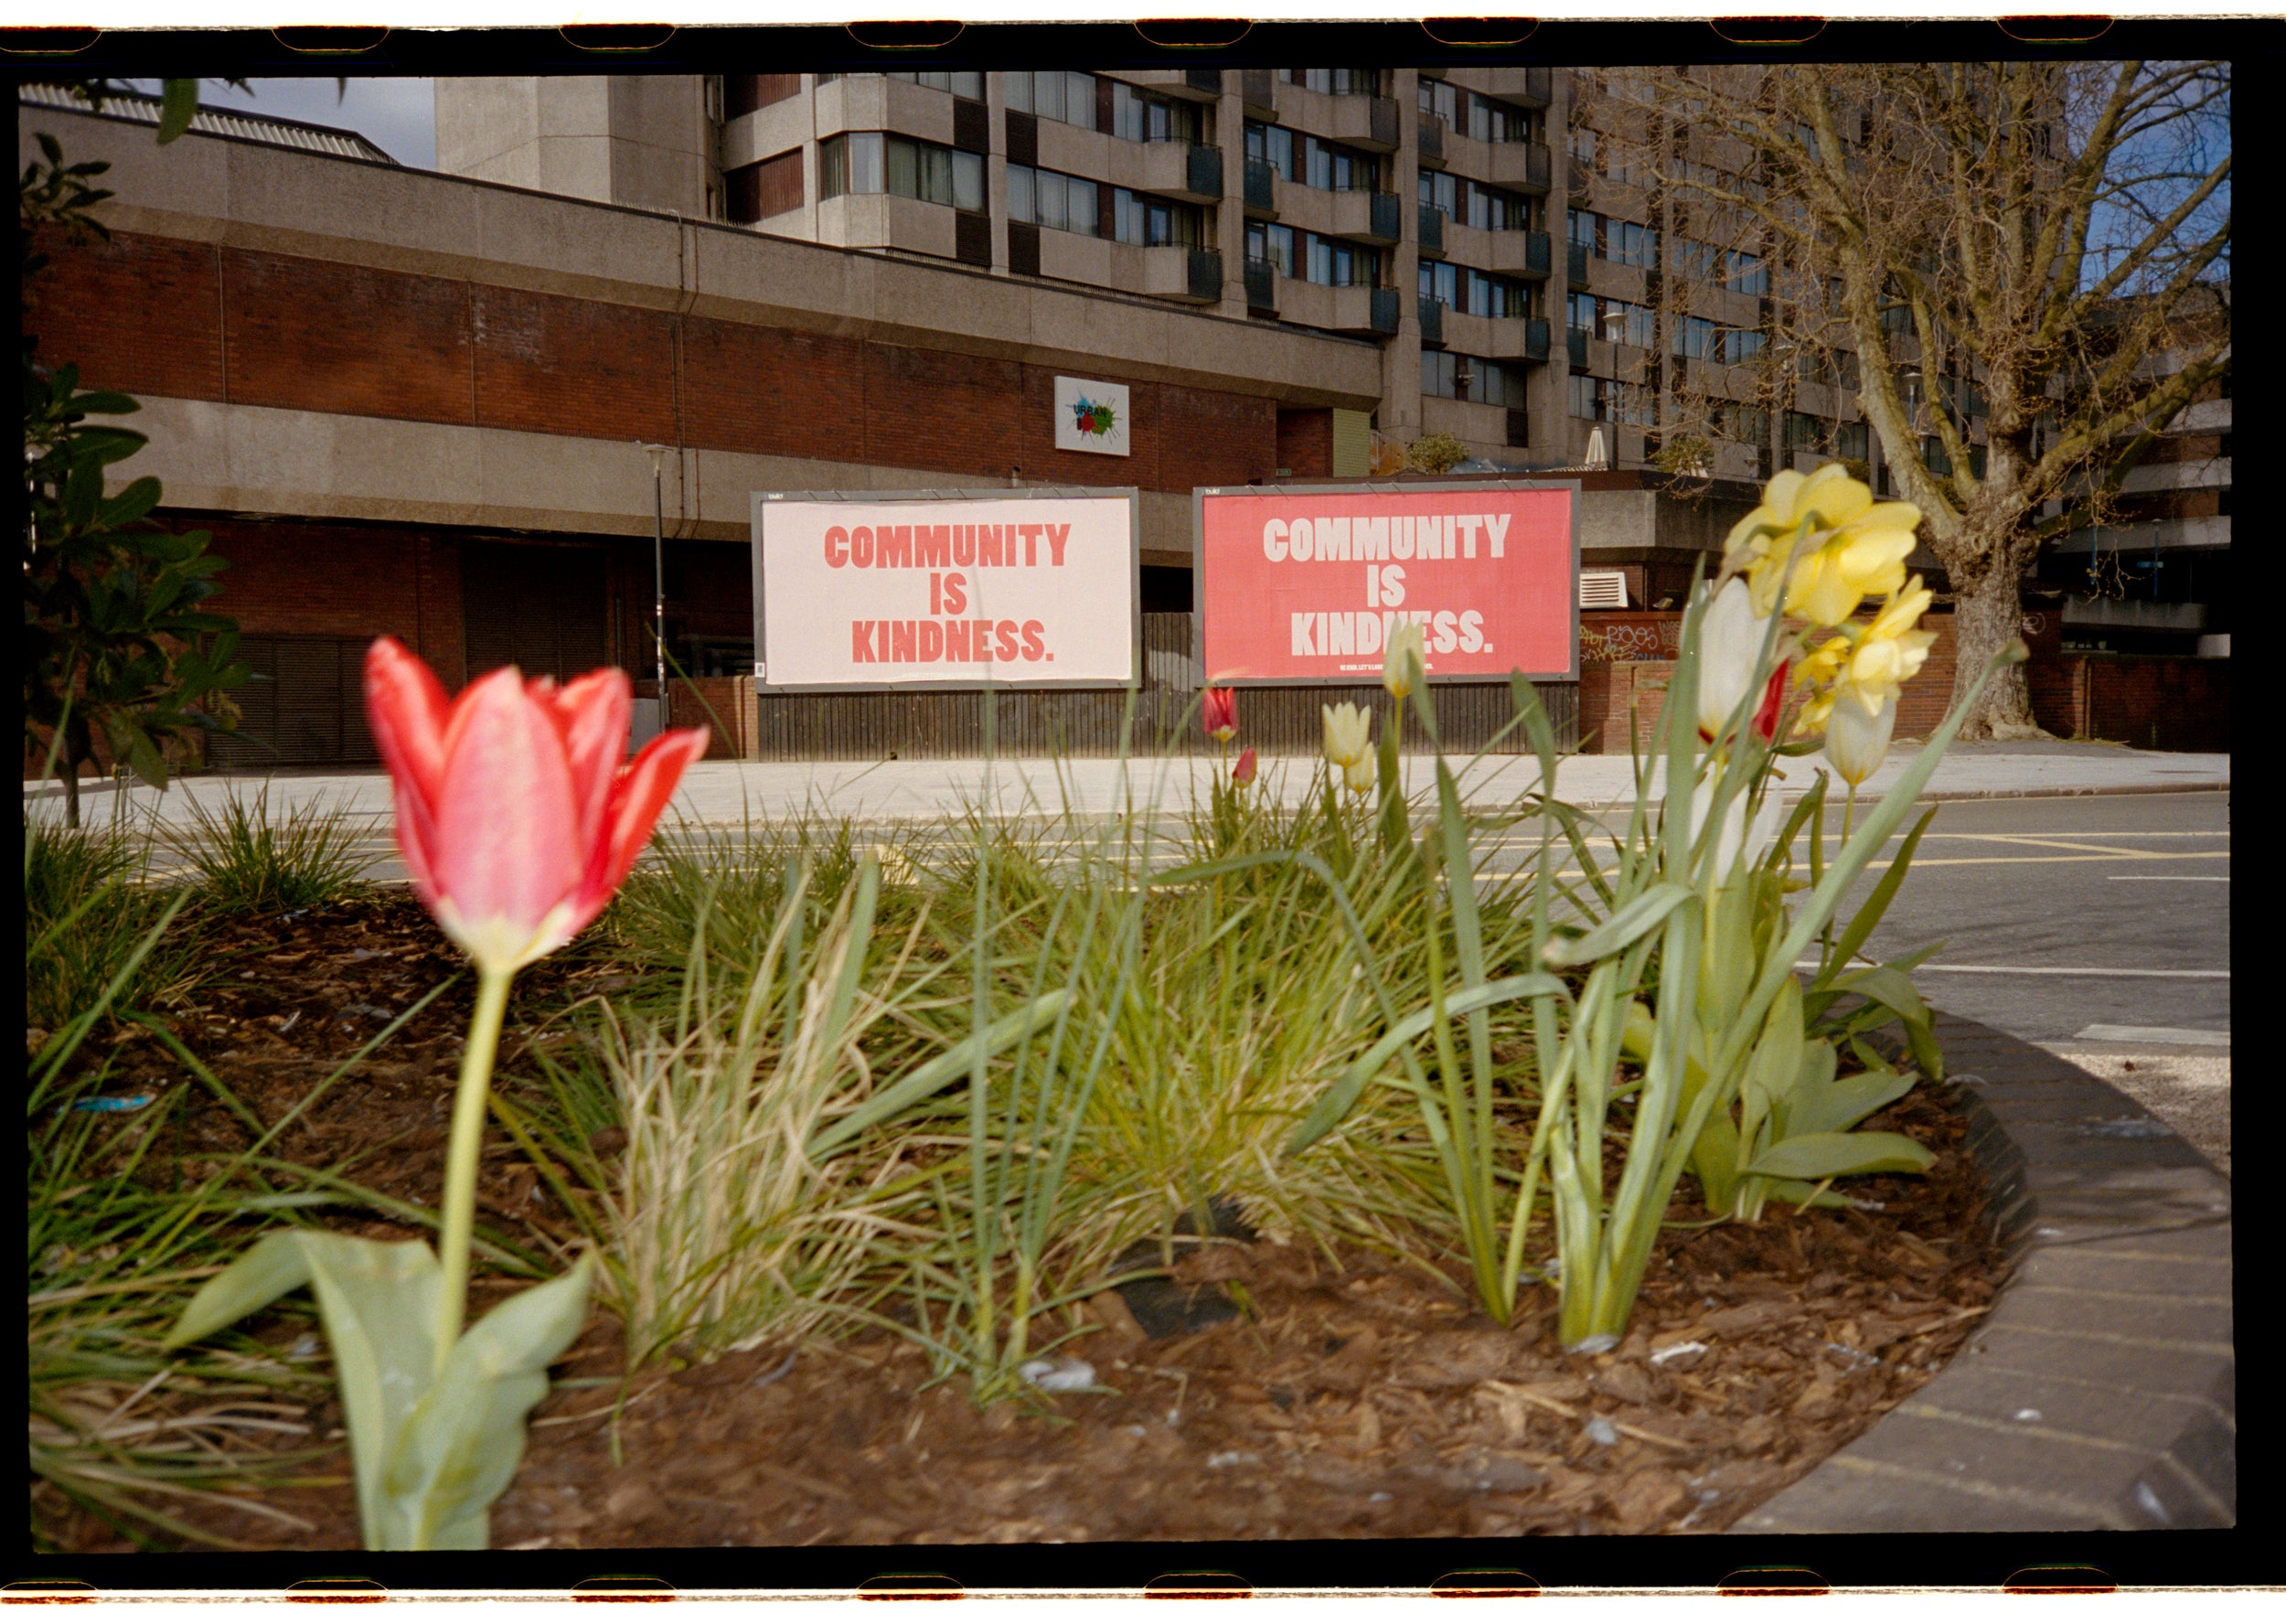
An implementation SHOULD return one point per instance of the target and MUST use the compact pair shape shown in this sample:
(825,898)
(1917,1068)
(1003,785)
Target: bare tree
(2023,241)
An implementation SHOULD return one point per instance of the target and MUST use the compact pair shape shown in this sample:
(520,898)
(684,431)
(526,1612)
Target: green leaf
(1337,1100)
(1892,990)
(1844,1102)
(933,1075)
(177,106)
(1835,1155)
(272,1267)
(1636,919)
(1884,891)
(462,1442)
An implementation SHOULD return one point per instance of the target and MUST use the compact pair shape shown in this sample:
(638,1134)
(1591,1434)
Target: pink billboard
(1304,584)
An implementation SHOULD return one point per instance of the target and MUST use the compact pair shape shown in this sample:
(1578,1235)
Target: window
(1701,262)
(1933,453)
(1804,432)
(1749,425)
(1735,346)
(1332,263)
(1067,98)
(1272,244)
(1852,440)
(968,87)
(1583,226)
(1495,297)
(1272,144)
(1439,190)
(1488,208)
(1695,337)
(1622,323)
(1154,222)
(1439,100)
(1583,147)
(1335,81)
(1596,399)
(1333,169)
(1466,378)
(1497,120)
(1135,116)
(1441,281)
(1627,243)
(1043,197)
(866,161)
(1748,274)
(1579,311)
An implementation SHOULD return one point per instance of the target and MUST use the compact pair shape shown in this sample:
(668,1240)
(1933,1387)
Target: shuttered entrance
(305,706)
(546,610)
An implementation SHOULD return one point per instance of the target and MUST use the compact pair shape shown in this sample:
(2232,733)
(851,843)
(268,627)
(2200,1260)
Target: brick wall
(1305,443)
(343,581)
(724,706)
(2148,701)
(199,321)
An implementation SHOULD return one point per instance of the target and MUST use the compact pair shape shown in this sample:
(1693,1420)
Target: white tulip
(1730,649)
(1404,662)
(1738,839)
(1348,734)
(1856,743)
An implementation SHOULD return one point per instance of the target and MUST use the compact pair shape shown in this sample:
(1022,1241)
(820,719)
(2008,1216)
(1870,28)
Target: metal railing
(1202,171)
(1431,233)
(1262,185)
(1262,285)
(1432,320)
(1206,279)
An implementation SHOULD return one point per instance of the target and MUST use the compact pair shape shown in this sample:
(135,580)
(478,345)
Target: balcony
(1535,339)
(1431,232)
(1262,285)
(1524,252)
(1262,187)
(1499,337)
(1360,310)
(1202,173)
(1385,218)
(1432,142)
(1207,82)
(1365,217)
(1192,274)
(1193,84)
(1432,320)
(1575,264)
(1576,347)
(1258,90)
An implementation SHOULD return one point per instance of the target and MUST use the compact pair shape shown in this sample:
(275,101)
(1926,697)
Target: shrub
(246,863)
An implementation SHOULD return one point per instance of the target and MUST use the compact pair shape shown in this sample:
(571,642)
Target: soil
(1357,1396)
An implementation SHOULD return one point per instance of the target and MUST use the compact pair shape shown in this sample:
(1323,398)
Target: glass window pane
(968,87)
(904,167)
(1019,193)
(865,162)
(1018,89)
(1079,99)
(830,180)
(968,182)
(1052,199)
(1079,203)
(1047,92)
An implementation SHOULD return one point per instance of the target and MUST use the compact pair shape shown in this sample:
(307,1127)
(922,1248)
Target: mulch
(1358,1395)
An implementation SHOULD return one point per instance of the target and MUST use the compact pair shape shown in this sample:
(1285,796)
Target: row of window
(1475,292)
(1622,242)
(1308,161)
(1731,267)
(1487,208)
(1479,118)
(868,161)
(1703,340)
(1133,115)
(1330,261)
(1470,377)
(1069,203)
(1335,81)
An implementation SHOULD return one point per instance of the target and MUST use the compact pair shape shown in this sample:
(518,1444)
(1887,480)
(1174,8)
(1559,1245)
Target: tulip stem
(462,1157)
(1848,808)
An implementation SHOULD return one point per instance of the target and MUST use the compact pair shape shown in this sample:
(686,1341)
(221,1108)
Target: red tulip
(1218,714)
(515,815)
(1773,702)
(1244,772)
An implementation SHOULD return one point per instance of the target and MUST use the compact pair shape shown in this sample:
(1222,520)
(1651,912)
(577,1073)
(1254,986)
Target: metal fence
(1087,722)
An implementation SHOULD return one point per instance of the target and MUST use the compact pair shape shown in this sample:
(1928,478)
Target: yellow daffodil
(1823,542)
(1888,652)
(1349,734)
(1818,672)
(1404,667)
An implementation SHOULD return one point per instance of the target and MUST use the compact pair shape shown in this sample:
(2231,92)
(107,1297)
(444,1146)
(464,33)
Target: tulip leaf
(1337,1100)
(1636,919)
(1834,1155)
(462,1443)
(1862,924)
(271,1267)
(1890,988)
(1844,1102)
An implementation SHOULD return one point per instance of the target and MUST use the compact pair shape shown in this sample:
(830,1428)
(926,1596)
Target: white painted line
(1812,964)
(2178,879)
(2152,1034)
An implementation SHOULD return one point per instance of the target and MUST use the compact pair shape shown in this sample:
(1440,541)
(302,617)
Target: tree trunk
(71,793)
(1987,616)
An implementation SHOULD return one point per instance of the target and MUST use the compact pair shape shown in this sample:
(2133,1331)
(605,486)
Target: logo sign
(945,590)
(1091,416)
(1304,584)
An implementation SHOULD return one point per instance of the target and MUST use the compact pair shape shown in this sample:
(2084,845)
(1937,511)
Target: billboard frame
(1132,494)
(1198,494)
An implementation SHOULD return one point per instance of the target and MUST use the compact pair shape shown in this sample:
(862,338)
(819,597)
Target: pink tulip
(1244,772)
(1218,714)
(516,816)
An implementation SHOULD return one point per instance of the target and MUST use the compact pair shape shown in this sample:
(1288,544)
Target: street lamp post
(659,578)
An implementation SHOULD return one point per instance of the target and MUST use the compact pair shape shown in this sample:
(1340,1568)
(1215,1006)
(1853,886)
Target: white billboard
(946,589)
(1091,415)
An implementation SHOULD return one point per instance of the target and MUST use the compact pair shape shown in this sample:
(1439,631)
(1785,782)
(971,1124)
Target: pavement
(728,792)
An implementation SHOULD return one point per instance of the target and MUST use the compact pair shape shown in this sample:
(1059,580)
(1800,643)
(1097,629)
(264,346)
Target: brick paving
(2100,1391)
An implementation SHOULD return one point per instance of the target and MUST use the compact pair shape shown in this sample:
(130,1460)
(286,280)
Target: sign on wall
(946,589)
(1091,416)
(1303,583)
